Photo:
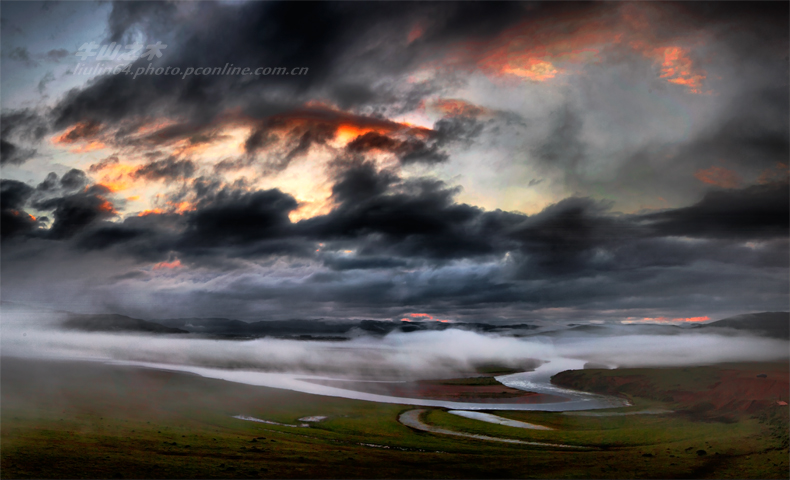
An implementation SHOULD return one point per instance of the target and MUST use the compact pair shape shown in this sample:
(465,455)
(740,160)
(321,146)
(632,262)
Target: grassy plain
(87,420)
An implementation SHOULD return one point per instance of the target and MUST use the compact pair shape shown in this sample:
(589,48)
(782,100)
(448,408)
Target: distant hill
(238,328)
(115,323)
(301,329)
(770,324)
(615,330)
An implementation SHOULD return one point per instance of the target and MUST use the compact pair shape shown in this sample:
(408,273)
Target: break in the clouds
(486,161)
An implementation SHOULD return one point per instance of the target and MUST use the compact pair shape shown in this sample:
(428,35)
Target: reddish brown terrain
(742,390)
(722,389)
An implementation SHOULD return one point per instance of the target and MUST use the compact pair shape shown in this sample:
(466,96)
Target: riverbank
(69,419)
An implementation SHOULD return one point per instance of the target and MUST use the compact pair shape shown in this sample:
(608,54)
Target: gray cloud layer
(394,243)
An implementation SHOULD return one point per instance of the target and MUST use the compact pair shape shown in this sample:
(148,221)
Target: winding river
(537,381)
(412,419)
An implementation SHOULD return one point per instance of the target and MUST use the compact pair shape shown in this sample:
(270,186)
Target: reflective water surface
(536,381)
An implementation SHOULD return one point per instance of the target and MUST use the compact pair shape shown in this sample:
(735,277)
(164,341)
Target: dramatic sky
(560,161)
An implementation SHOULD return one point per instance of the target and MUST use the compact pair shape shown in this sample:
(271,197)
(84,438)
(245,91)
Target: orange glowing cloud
(168,207)
(88,147)
(677,68)
(79,132)
(530,68)
(105,206)
(532,50)
(693,319)
(674,60)
(320,127)
(426,317)
(345,133)
(457,108)
(181,207)
(778,174)
(666,320)
(416,32)
(17,213)
(719,176)
(117,176)
(154,126)
(541,51)
(83,135)
(154,211)
(343,127)
(168,265)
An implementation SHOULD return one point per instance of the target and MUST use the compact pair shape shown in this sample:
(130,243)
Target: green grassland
(85,420)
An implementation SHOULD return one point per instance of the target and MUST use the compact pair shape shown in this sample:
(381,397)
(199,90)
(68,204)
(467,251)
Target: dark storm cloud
(275,34)
(757,24)
(228,223)
(235,219)
(257,140)
(75,212)
(754,132)
(416,217)
(387,219)
(82,131)
(261,32)
(12,154)
(314,135)
(384,232)
(432,149)
(104,163)
(339,262)
(20,131)
(269,34)
(148,238)
(407,151)
(168,169)
(15,223)
(14,194)
(461,128)
(755,212)
(49,183)
(13,197)
(371,141)
(107,236)
(391,244)
(73,179)
(561,238)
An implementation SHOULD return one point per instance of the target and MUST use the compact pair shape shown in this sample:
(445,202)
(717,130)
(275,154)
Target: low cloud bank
(398,355)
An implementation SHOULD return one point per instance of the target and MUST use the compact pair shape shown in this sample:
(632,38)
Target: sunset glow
(666,320)
(279,239)
(719,176)
(425,316)
(483,162)
(168,265)
(677,68)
